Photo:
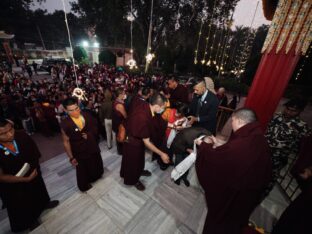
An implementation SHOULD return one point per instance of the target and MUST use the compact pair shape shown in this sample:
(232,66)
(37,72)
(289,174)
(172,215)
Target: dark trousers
(179,158)
(89,170)
(162,165)
(118,144)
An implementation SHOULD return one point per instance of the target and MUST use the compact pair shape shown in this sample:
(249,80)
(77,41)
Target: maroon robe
(158,134)
(179,94)
(138,126)
(136,101)
(24,201)
(50,116)
(85,151)
(233,176)
(117,119)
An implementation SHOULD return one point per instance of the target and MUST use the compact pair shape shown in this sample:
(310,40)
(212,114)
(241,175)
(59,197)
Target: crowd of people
(137,112)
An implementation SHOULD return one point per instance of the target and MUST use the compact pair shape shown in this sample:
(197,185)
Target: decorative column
(289,37)
(4,38)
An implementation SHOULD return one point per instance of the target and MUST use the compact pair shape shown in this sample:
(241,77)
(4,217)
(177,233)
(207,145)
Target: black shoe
(34,225)
(88,188)
(139,186)
(186,182)
(177,182)
(146,173)
(52,204)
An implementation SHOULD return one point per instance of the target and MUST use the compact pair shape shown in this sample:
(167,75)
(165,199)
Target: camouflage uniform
(284,136)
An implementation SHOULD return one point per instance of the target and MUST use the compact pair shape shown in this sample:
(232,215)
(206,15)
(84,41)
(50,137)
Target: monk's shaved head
(158,99)
(246,115)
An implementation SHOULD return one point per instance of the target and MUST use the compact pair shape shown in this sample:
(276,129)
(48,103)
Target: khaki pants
(109,132)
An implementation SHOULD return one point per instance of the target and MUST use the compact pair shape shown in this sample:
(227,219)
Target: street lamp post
(94,51)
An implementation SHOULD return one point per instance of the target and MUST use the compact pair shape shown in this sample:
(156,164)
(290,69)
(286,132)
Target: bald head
(241,117)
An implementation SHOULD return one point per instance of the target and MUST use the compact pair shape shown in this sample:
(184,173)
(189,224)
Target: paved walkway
(111,207)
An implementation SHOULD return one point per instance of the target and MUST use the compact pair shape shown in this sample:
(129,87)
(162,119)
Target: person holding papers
(22,188)
(234,174)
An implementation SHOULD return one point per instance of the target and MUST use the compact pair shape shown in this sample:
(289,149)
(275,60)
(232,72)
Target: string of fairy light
(208,36)
(224,58)
(131,62)
(238,40)
(226,45)
(247,47)
(301,68)
(211,48)
(149,55)
(198,41)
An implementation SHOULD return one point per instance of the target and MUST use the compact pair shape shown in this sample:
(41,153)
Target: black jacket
(207,112)
(185,139)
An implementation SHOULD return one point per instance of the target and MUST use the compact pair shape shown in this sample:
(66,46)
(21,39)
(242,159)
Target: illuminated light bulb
(149,57)
(130,17)
(203,61)
(96,44)
(131,63)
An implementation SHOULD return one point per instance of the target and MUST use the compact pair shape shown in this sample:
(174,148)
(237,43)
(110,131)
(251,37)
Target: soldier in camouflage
(284,134)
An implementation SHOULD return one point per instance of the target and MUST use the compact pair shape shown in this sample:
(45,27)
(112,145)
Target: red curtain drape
(270,82)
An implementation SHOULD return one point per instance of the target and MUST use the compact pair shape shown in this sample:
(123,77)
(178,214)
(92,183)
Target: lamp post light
(93,52)
(96,44)
(85,44)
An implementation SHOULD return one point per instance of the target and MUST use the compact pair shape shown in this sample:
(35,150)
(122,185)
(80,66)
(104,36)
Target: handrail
(223,115)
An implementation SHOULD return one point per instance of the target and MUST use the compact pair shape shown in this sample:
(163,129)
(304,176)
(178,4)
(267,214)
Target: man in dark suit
(182,144)
(204,107)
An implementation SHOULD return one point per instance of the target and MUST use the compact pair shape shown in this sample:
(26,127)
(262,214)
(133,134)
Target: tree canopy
(176,25)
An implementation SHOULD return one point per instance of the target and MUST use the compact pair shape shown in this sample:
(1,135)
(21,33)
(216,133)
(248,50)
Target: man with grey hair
(245,115)
(233,174)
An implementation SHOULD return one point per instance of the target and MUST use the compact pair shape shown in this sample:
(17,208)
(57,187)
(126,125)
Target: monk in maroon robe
(158,137)
(178,92)
(80,135)
(139,99)
(25,197)
(139,131)
(234,174)
(119,114)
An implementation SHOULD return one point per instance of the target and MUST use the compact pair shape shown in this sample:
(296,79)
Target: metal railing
(286,180)
(223,115)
